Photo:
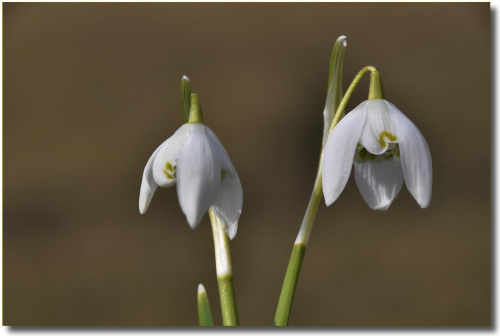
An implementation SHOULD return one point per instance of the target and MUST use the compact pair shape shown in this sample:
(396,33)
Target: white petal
(164,165)
(339,153)
(229,199)
(415,157)
(228,203)
(221,151)
(198,175)
(379,129)
(379,182)
(148,185)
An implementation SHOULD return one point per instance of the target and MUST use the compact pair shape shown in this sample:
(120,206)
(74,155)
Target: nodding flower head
(195,160)
(386,148)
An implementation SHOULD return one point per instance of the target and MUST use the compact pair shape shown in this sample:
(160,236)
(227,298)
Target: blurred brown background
(91,89)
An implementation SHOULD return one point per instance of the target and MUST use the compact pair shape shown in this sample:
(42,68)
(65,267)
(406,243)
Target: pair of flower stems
(334,111)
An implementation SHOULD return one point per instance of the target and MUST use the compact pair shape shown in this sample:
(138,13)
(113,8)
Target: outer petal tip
(231,230)
(329,197)
(424,203)
(145,196)
(142,208)
(193,219)
(424,195)
(382,207)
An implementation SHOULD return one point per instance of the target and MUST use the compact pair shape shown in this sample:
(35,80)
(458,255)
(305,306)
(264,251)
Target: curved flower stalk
(195,160)
(385,147)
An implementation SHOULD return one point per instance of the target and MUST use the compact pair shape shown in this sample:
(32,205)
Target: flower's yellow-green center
(169,170)
(386,139)
(386,135)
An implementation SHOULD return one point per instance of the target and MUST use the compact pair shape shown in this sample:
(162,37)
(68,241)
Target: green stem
(228,301)
(289,285)
(312,209)
(348,94)
(292,273)
(299,249)
(224,272)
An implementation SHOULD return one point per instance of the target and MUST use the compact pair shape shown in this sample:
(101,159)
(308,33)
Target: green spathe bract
(185,98)
(334,92)
(195,115)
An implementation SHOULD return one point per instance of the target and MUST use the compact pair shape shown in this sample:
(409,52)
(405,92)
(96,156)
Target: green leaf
(204,312)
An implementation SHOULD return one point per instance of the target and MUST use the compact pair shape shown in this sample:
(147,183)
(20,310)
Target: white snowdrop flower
(196,160)
(386,148)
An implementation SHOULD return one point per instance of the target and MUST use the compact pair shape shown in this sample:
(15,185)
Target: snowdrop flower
(196,160)
(386,147)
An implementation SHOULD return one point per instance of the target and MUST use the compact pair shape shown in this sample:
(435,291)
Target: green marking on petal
(169,171)
(362,155)
(389,136)
(223,174)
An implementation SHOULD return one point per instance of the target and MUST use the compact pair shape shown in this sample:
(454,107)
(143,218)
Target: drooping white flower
(195,159)
(385,147)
